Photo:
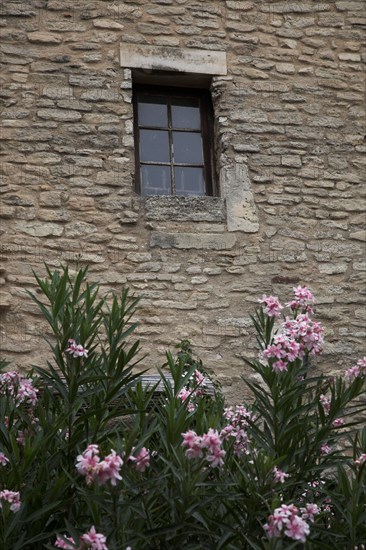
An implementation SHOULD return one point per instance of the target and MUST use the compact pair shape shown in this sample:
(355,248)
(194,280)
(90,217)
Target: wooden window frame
(207,132)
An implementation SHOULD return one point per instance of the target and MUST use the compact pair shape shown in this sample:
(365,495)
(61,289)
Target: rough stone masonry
(290,162)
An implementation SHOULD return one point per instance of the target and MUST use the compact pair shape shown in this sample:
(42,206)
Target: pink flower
(310,511)
(298,337)
(279,366)
(76,350)
(271,528)
(21,389)
(297,529)
(325,449)
(87,463)
(279,475)
(237,429)
(3,459)
(352,373)
(60,543)
(209,442)
(109,468)
(272,306)
(216,457)
(12,497)
(302,293)
(286,518)
(94,540)
(281,514)
(184,393)
(199,378)
(360,460)
(142,460)
(337,422)
(192,442)
(325,402)
(304,299)
(357,370)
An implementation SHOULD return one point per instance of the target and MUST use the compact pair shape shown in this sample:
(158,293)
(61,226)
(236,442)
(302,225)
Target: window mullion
(171,146)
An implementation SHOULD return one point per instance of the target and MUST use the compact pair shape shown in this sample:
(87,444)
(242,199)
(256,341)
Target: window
(173,131)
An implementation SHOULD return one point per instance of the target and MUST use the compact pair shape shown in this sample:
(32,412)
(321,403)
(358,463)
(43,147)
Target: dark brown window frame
(206,131)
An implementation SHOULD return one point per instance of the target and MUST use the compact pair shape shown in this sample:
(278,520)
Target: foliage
(90,458)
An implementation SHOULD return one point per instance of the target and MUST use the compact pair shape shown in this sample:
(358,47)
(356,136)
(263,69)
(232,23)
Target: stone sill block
(196,209)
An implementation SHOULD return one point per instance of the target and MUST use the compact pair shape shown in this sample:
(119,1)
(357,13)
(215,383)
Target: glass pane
(155,180)
(153,111)
(186,113)
(187,147)
(154,146)
(189,181)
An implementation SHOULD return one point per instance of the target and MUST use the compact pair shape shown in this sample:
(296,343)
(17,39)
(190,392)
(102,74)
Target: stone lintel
(163,58)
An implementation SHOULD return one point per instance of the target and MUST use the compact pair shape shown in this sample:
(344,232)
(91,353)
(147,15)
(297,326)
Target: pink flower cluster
(308,333)
(142,460)
(94,540)
(325,403)
(279,475)
(198,382)
(286,520)
(357,371)
(272,306)
(76,350)
(12,497)
(298,337)
(284,349)
(209,444)
(91,540)
(237,428)
(325,449)
(61,543)
(20,389)
(304,300)
(89,465)
(337,422)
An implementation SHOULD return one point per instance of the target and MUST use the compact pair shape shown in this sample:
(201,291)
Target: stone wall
(290,153)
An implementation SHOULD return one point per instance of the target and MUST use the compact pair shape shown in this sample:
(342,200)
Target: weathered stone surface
(107,24)
(59,115)
(173,59)
(241,210)
(44,37)
(36,229)
(191,240)
(210,209)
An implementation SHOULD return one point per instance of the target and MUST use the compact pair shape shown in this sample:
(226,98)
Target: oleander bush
(91,458)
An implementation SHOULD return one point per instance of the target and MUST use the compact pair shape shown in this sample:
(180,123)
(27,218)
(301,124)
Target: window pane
(153,111)
(189,181)
(154,146)
(187,147)
(186,113)
(155,180)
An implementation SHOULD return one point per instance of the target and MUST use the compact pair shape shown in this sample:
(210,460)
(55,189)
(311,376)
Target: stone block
(44,37)
(208,209)
(59,114)
(196,241)
(37,229)
(173,59)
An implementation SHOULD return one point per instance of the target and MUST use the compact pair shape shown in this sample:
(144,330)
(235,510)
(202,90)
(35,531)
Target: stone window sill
(176,208)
